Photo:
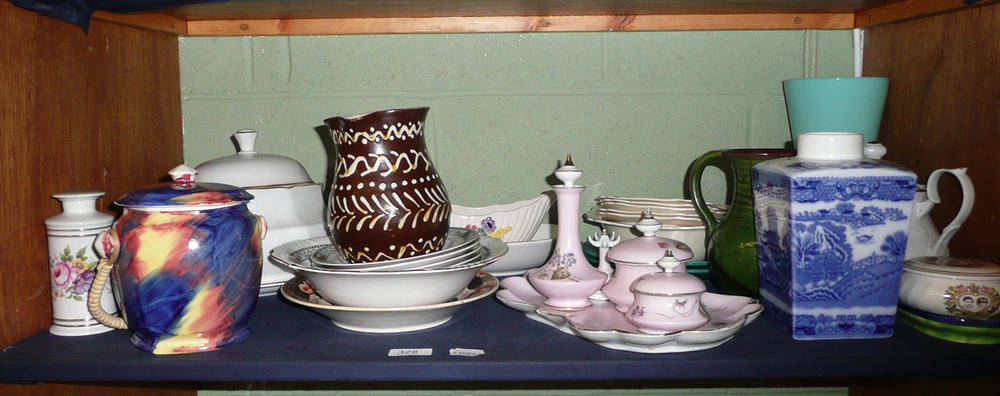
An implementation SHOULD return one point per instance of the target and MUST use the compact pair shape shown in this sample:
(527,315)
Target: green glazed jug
(732,242)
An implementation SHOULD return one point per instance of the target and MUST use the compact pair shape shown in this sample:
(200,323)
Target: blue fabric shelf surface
(293,344)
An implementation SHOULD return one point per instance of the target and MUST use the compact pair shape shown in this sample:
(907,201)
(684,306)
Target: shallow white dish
(692,236)
(274,274)
(513,222)
(602,324)
(268,289)
(526,255)
(457,242)
(462,256)
(691,220)
(630,203)
(384,289)
(388,320)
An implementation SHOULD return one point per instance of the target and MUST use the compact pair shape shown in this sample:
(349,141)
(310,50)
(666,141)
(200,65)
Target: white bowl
(389,320)
(526,255)
(384,289)
(952,287)
(692,236)
(522,218)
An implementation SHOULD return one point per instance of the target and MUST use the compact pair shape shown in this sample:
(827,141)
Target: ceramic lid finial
(568,173)
(648,225)
(669,263)
(245,138)
(874,150)
(183,175)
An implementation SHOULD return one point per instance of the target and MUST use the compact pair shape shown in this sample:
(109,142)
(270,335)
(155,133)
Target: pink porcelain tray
(604,325)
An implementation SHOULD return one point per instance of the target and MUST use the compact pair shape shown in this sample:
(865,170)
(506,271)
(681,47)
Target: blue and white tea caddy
(831,237)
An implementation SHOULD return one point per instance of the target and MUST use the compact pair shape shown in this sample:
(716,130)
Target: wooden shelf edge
(582,23)
(899,11)
(146,20)
(910,9)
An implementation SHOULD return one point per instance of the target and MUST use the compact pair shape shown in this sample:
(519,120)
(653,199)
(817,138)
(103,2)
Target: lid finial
(669,263)
(183,175)
(568,173)
(648,225)
(245,139)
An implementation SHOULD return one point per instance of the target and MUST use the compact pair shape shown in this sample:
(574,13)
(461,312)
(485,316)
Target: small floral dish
(298,291)
(526,255)
(602,324)
(513,222)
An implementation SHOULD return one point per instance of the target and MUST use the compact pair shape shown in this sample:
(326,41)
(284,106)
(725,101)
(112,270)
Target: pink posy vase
(567,280)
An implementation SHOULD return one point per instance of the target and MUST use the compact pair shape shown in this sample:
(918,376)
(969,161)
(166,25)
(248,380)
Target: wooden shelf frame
(267,18)
(103,109)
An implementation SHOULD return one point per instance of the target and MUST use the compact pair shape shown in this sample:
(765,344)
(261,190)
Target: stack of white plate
(461,246)
(373,296)
(678,216)
(679,212)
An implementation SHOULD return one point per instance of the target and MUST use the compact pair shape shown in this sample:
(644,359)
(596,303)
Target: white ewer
(73,263)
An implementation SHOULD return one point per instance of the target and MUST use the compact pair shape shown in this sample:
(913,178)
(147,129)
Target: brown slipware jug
(387,201)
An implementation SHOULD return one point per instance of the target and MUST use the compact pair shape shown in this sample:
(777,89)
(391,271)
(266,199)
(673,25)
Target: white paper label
(411,351)
(466,352)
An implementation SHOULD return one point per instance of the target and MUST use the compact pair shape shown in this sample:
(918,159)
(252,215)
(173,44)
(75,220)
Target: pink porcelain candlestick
(567,280)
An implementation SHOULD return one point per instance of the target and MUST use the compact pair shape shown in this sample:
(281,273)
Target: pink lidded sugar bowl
(667,301)
(639,256)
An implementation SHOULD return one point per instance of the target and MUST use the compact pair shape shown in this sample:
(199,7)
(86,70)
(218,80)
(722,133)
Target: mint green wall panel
(635,108)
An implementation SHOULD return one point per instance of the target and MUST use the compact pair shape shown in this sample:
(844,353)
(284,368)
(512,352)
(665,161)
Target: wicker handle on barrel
(107,248)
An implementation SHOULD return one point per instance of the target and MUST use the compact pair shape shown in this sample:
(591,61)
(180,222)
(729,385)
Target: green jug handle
(712,158)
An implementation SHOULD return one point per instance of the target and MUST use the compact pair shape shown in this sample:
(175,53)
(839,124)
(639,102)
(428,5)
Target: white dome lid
(248,168)
(953,266)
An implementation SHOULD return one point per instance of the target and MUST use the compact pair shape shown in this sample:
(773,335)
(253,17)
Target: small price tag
(411,352)
(466,352)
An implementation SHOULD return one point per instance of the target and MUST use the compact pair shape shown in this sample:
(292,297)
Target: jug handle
(262,226)
(968,198)
(711,158)
(107,247)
